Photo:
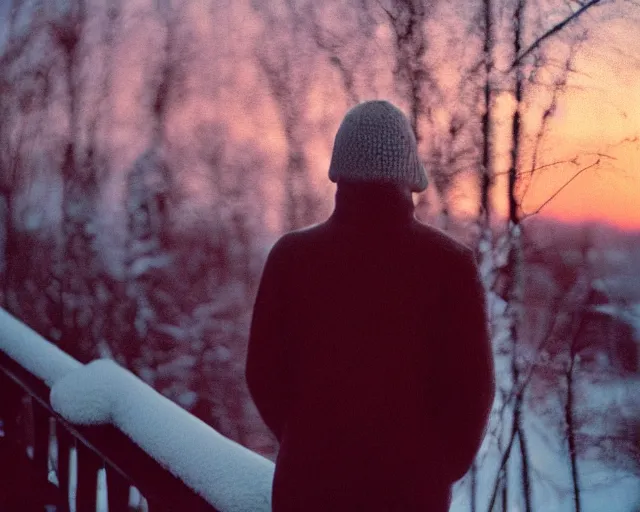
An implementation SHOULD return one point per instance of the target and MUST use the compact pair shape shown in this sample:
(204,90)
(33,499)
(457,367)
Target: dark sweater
(369,359)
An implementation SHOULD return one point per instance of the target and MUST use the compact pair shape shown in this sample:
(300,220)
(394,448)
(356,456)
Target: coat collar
(372,203)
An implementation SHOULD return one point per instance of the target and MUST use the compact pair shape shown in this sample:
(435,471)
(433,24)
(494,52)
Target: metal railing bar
(111,436)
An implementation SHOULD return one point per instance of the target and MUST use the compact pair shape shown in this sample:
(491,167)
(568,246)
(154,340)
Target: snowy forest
(151,152)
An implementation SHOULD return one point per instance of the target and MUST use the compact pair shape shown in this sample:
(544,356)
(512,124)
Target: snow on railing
(102,395)
(229,476)
(31,351)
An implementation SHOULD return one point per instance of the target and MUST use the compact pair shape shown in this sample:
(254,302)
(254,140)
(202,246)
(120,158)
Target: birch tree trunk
(515,264)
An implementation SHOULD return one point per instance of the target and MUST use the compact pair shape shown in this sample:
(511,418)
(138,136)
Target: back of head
(375,144)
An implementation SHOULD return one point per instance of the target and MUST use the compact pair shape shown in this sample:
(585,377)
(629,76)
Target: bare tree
(485,242)
(413,77)
(513,270)
(283,56)
(11,159)
(486,166)
(406,19)
(151,193)
(569,412)
(79,190)
(517,183)
(25,90)
(345,33)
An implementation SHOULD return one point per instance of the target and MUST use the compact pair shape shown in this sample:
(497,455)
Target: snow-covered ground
(603,488)
(606,483)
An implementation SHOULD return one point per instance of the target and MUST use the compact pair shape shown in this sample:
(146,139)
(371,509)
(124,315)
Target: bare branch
(503,462)
(389,14)
(573,160)
(565,185)
(558,89)
(332,43)
(553,30)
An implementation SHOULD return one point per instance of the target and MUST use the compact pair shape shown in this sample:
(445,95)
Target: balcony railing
(159,453)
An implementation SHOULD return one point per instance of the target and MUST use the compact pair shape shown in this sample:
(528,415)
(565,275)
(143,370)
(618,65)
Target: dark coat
(369,359)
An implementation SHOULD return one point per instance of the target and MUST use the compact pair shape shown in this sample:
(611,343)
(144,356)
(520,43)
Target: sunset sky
(597,119)
(598,116)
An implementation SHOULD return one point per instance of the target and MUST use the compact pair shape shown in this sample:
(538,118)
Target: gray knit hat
(375,143)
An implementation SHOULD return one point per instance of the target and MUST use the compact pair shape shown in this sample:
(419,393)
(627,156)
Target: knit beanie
(375,143)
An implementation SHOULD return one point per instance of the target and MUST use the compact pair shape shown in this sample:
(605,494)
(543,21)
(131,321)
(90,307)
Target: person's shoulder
(295,239)
(443,244)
